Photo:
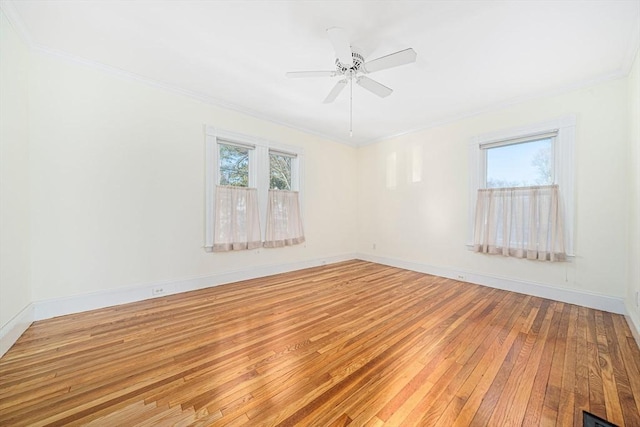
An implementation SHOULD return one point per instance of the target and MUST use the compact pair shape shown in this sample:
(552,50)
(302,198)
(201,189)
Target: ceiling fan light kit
(356,64)
(351,65)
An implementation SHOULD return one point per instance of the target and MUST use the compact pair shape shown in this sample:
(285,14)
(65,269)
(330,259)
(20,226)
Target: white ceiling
(472,55)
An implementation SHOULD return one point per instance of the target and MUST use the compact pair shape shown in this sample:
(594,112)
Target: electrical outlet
(460,276)
(158,290)
(373,246)
(638,299)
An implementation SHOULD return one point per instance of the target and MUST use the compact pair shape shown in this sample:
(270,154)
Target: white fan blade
(335,91)
(341,45)
(374,87)
(298,74)
(392,60)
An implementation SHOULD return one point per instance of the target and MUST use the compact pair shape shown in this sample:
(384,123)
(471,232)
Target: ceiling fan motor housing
(351,70)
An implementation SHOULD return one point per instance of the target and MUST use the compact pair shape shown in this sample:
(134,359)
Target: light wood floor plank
(520,385)
(348,344)
(477,367)
(567,386)
(503,346)
(609,384)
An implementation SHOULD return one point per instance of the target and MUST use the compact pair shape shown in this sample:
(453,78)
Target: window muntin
(280,168)
(520,164)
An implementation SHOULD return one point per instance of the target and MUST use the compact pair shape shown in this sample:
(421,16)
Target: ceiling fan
(350,65)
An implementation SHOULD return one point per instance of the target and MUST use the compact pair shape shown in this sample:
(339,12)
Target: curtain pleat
(521,222)
(237,223)
(284,224)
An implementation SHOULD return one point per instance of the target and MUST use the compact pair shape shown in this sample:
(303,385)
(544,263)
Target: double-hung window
(252,193)
(522,192)
(236,220)
(284,222)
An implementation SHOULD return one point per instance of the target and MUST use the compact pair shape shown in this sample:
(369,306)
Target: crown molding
(504,104)
(9,10)
(634,46)
(175,89)
(16,22)
(7,6)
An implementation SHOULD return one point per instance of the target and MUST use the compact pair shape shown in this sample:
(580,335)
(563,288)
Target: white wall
(15,293)
(117,184)
(634,194)
(424,218)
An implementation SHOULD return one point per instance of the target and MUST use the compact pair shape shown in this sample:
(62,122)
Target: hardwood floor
(354,343)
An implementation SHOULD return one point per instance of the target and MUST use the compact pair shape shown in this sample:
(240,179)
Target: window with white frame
(283,222)
(242,172)
(521,191)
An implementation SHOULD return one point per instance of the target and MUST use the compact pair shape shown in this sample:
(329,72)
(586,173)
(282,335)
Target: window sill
(570,257)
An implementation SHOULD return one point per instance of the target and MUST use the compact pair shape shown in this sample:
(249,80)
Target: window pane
(520,165)
(279,172)
(234,165)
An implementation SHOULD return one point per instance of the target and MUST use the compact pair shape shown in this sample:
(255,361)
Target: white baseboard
(11,331)
(634,323)
(46,309)
(74,304)
(571,296)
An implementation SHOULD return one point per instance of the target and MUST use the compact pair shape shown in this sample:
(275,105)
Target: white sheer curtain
(520,222)
(237,223)
(284,224)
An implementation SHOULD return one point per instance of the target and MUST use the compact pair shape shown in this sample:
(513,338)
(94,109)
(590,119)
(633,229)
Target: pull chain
(351,107)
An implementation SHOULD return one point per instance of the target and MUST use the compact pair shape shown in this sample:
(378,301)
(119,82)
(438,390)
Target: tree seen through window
(279,172)
(234,165)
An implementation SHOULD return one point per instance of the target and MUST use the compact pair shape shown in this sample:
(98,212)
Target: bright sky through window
(520,165)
